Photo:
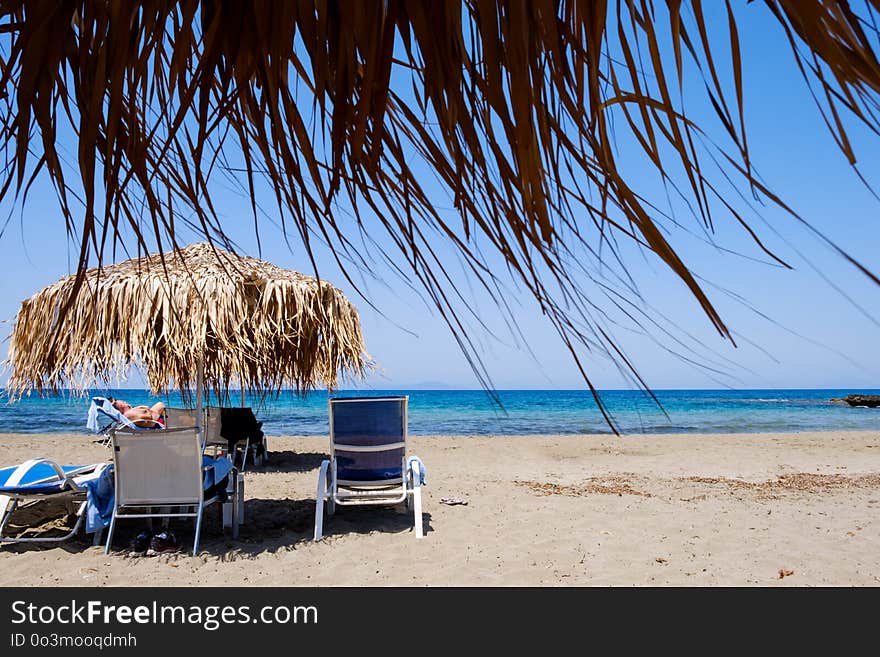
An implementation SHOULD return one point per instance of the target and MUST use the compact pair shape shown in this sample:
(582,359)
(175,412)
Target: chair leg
(227,508)
(331,489)
(7,514)
(415,477)
(244,455)
(240,487)
(99,533)
(236,501)
(198,530)
(319,500)
(110,533)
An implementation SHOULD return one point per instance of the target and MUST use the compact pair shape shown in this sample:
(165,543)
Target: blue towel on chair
(100,493)
(422,471)
(221,466)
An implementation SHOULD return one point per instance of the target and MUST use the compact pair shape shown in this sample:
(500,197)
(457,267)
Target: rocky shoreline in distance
(871,401)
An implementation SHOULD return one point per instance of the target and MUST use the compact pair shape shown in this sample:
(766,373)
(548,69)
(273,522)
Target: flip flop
(452,501)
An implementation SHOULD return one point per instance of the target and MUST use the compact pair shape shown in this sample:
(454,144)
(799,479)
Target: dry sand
(798,509)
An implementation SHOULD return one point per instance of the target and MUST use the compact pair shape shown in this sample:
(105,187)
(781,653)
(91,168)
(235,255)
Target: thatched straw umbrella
(195,314)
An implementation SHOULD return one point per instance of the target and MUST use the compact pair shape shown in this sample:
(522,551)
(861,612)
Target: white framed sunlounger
(368,464)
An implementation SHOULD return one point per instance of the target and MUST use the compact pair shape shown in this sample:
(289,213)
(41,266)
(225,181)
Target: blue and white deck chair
(368,463)
(162,474)
(39,480)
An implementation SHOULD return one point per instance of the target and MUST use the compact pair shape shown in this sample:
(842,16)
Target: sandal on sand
(452,501)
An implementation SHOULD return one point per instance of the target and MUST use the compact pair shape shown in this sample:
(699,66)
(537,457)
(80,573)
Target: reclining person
(142,415)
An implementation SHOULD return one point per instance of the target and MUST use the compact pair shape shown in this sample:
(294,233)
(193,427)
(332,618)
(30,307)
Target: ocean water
(473,412)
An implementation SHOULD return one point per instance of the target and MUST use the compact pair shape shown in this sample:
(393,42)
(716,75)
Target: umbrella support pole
(200,384)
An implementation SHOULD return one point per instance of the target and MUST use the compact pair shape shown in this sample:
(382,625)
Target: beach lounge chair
(240,432)
(184,418)
(368,464)
(163,474)
(40,480)
(234,430)
(179,418)
(104,418)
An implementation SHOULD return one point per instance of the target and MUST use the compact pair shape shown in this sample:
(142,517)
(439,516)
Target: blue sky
(795,330)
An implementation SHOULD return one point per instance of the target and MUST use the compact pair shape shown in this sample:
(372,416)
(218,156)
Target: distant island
(871,401)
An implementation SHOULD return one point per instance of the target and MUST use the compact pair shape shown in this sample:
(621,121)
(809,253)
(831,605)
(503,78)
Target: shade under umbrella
(243,320)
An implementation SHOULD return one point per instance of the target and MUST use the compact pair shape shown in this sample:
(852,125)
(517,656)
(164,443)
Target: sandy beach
(798,509)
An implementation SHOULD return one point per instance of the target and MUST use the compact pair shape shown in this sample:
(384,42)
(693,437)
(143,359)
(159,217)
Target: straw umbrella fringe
(243,319)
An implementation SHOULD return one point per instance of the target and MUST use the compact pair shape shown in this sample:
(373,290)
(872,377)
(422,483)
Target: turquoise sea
(469,412)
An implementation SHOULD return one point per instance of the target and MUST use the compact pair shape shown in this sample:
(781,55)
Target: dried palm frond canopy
(243,320)
(513,109)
